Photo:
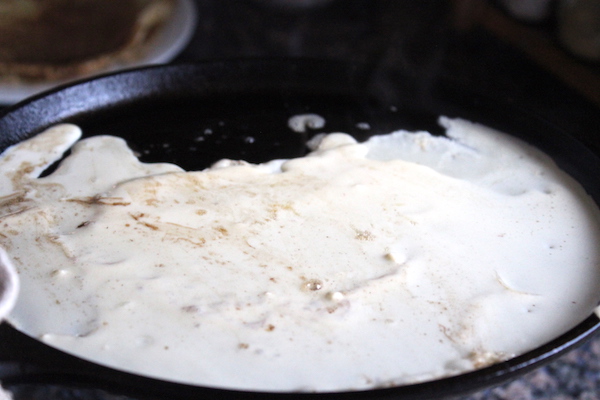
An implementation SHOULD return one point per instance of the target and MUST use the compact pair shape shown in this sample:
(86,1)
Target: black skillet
(195,114)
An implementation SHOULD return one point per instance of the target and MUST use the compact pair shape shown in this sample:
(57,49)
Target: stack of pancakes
(43,40)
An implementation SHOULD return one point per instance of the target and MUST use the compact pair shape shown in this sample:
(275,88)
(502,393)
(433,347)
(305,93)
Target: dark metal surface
(195,114)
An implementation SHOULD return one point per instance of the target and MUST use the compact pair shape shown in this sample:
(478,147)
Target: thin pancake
(60,39)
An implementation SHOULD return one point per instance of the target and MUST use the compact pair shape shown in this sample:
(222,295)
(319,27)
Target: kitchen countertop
(422,42)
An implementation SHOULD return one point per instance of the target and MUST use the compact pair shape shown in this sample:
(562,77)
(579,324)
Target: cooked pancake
(62,39)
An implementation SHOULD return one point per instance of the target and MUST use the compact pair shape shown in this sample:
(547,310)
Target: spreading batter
(405,258)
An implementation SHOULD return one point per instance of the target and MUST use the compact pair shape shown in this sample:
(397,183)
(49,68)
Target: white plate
(166,44)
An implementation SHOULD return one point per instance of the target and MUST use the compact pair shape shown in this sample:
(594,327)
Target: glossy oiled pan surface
(240,109)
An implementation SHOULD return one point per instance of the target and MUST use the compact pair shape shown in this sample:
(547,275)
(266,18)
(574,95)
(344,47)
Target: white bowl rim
(9,284)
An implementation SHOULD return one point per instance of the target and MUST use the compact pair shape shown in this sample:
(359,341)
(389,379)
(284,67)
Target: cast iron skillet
(195,114)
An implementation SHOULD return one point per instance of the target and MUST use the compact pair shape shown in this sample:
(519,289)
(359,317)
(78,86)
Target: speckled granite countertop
(421,41)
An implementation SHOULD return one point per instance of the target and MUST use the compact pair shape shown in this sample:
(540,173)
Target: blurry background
(541,54)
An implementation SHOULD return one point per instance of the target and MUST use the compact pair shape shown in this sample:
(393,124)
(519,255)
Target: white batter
(402,259)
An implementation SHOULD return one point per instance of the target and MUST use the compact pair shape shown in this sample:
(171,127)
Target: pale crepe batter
(405,258)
